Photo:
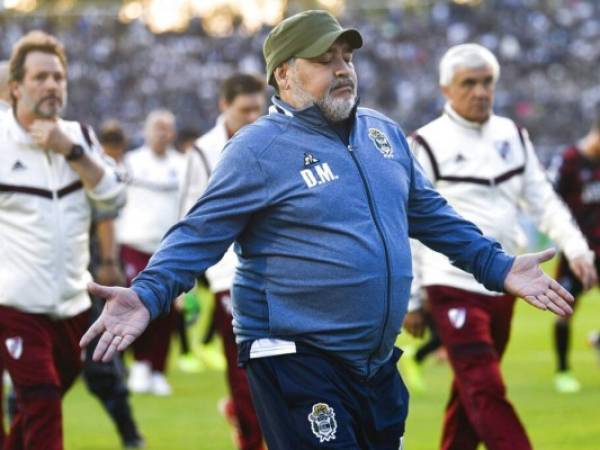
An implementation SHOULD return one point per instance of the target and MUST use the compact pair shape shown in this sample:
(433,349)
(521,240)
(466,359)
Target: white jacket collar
(222,127)
(462,121)
(5,106)
(20,134)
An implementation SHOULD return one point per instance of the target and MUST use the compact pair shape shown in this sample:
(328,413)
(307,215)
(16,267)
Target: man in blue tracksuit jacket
(320,198)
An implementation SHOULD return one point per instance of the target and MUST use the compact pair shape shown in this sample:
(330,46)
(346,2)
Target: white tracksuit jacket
(45,218)
(154,197)
(487,172)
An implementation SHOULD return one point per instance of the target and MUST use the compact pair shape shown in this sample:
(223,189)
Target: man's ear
(446,91)
(281,75)
(14,90)
(222,104)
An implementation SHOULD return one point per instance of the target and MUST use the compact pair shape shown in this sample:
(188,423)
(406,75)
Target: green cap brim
(322,44)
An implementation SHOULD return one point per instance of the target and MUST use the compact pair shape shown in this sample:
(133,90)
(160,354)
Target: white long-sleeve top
(154,197)
(208,149)
(487,172)
(45,216)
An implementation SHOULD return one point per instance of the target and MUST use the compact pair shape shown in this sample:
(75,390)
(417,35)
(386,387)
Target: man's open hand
(527,280)
(123,319)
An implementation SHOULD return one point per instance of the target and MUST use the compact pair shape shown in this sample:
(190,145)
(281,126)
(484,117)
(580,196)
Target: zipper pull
(350,148)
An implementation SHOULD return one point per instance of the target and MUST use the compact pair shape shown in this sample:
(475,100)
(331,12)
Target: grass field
(189,419)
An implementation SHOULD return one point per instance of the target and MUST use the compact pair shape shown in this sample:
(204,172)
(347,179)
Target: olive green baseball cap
(305,35)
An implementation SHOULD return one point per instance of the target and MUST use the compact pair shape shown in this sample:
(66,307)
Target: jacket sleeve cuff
(107,188)
(149,299)
(577,250)
(499,271)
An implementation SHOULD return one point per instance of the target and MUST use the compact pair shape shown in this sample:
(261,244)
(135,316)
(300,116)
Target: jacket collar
(455,117)
(221,128)
(19,134)
(312,115)
(5,106)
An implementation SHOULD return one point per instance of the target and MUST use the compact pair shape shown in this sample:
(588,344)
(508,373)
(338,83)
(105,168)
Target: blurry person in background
(52,177)
(113,141)
(155,174)
(106,380)
(486,168)
(5,106)
(578,183)
(4,89)
(241,102)
(185,139)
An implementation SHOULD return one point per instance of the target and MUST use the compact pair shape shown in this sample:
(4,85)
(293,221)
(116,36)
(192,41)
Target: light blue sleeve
(236,190)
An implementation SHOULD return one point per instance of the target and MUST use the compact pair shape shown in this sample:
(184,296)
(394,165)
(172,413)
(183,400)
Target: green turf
(188,419)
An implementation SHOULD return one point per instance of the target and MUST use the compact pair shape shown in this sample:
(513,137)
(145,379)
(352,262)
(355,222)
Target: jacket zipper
(387,256)
(58,237)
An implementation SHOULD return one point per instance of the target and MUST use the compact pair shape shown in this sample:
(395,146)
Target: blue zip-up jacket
(321,230)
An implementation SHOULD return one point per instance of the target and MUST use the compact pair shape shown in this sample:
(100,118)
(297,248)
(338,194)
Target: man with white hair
(486,167)
(320,197)
(155,183)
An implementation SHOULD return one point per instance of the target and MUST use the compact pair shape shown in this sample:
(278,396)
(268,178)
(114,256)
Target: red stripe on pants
(154,343)
(250,433)
(43,361)
(475,330)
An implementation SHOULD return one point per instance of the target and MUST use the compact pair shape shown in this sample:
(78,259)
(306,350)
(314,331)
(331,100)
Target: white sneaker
(140,379)
(160,385)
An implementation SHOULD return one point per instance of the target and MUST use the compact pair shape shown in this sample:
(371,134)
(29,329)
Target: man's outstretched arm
(197,242)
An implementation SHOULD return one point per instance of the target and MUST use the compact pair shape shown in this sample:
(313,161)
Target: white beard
(334,109)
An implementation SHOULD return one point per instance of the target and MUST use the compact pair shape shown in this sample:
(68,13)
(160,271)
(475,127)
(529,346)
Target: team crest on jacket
(503,148)
(322,422)
(14,346)
(381,142)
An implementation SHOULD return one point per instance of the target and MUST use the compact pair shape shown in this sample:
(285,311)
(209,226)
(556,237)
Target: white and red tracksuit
(155,198)
(45,215)
(487,172)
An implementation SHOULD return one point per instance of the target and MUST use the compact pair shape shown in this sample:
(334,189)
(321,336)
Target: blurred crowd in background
(548,51)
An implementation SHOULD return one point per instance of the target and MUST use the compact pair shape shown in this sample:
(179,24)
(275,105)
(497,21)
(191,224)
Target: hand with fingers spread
(585,270)
(123,319)
(527,280)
